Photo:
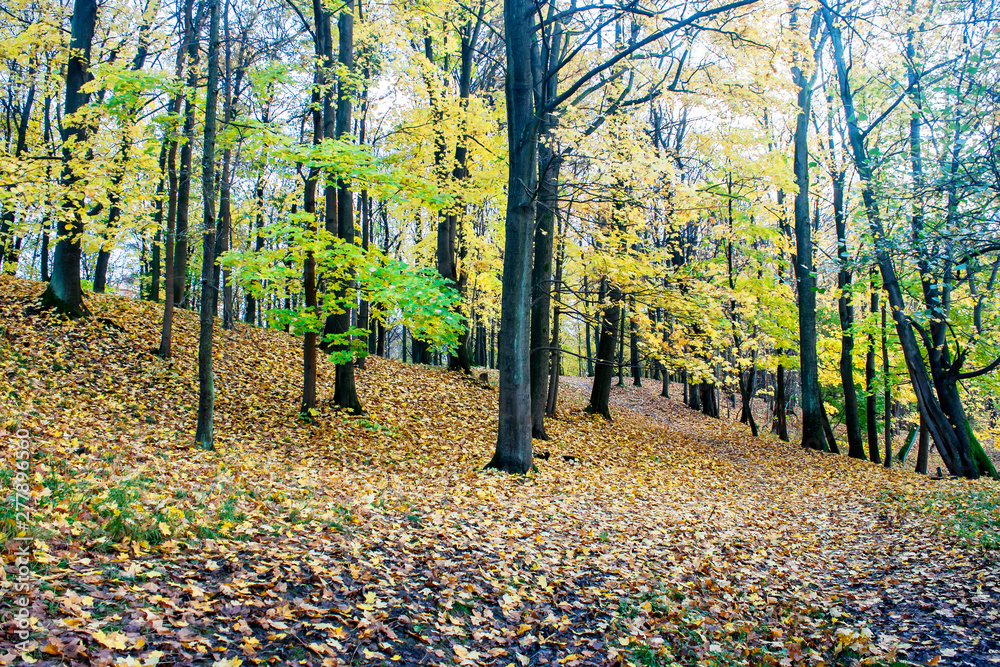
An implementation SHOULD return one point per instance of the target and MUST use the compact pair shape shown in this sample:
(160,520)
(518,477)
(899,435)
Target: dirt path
(914,589)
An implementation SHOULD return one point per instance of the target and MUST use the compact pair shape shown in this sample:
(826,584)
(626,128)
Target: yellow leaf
(114,640)
(228,662)
(153,658)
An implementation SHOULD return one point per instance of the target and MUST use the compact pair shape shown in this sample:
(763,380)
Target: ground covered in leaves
(661,538)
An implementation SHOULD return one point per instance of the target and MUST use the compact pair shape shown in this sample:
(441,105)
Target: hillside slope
(379,538)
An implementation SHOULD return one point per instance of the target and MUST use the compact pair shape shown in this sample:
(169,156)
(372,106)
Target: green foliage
(345,272)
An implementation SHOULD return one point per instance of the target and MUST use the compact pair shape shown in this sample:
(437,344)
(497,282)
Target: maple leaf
(113,640)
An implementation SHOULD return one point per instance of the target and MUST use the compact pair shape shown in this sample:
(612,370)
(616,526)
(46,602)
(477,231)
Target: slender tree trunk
(634,350)
(364,309)
(206,381)
(224,228)
(887,396)
(620,360)
(871,407)
(812,418)
(64,292)
(780,423)
(586,330)
(923,448)
(845,306)
(546,213)
(747,390)
(170,277)
(555,359)
(604,370)
(184,180)
(549,161)
(309,287)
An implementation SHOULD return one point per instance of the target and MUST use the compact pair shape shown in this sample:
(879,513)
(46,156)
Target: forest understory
(663,537)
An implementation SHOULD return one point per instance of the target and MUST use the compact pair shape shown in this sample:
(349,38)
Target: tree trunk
(64,292)
(586,330)
(309,287)
(364,309)
(549,162)
(604,370)
(170,277)
(845,307)
(923,448)
(812,418)
(345,393)
(747,390)
(620,359)
(887,396)
(184,181)
(871,404)
(546,212)
(555,358)
(780,423)
(206,382)
(634,350)
(513,450)
(224,228)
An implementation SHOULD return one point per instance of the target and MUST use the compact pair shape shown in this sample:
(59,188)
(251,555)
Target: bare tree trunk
(887,396)
(634,350)
(871,405)
(206,382)
(812,418)
(604,370)
(184,181)
(513,450)
(555,358)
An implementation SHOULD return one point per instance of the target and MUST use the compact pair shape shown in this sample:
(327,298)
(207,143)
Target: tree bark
(636,363)
(555,359)
(169,275)
(604,369)
(812,418)
(513,449)
(780,423)
(64,292)
(345,393)
(845,305)
(184,180)
(206,382)
(871,405)
(923,448)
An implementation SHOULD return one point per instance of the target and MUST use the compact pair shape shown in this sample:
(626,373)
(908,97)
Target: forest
(520,332)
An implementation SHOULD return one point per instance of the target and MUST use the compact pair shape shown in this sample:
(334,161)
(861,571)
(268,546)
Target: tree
(206,380)
(64,292)
(513,450)
(812,404)
(345,394)
(942,412)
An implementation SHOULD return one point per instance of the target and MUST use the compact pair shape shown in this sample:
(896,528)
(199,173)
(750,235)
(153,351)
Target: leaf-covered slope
(662,537)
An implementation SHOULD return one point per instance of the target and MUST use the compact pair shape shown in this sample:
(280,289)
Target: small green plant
(228,511)
(646,655)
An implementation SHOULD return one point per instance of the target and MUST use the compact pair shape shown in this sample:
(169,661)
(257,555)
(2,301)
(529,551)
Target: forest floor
(661,538)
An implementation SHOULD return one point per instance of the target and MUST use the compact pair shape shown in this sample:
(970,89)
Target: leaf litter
(661,538)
